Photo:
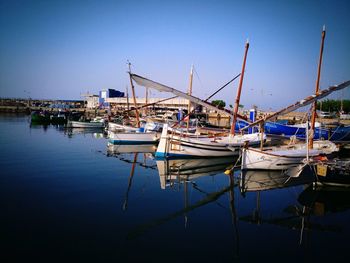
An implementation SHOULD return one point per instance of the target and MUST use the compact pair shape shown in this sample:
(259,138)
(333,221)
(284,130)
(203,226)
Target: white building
(91,100)
(122,103)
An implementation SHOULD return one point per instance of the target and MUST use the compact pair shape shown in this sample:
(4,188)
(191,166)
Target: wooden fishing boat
(175,145)
(273,159)
(115,149)
(286,156)
(298,131)
(95,123)
(208,146)
(339,133)
(280,158)
(118,127)
(136,138)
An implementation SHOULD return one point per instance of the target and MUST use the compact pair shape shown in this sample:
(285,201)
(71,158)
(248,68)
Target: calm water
(66,196)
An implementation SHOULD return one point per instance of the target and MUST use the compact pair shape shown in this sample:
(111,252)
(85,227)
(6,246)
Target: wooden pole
(189,102)
(232,132)
(134,98)
(317,89)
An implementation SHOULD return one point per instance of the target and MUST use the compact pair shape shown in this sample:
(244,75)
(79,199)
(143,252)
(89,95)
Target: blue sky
(60,49)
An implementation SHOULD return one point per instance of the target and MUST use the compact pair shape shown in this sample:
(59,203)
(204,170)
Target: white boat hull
(113,149)
(273,160)
(115,127)
(83,124)
(133,138)
(202,146)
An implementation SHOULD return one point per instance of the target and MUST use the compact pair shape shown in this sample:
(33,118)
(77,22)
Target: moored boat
(117,127)
(274,159)
(115,149)
(40,117)
(136,138)
(175,145)
(98,123)
(58,118)
(298,131)
(284,157)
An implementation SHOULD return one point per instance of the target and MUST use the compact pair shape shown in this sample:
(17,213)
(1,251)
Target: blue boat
(339,133)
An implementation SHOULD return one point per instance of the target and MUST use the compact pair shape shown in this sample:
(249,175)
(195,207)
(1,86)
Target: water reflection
(69,132)
(183,170)
(39,126)
(325,200)
(189,177)
(93,132)
(261,180)
(298,215)
(181,175)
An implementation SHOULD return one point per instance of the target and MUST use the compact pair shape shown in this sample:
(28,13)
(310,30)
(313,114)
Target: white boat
(174,145)
(344,116)
(117,127)
(283,157)
(273,159)
(133,138)
(86,124)
(113,149)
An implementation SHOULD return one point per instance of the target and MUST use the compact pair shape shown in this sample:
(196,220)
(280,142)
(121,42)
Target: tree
(219,103)
(333,105)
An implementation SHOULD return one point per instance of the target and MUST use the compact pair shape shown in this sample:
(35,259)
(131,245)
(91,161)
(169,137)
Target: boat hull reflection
(324,200)
(260,180)
(189,169)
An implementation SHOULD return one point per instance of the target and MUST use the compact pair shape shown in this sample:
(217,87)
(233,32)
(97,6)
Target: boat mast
(317,89)
(341,102)
(146,101)
(232,132)
(127,98)
(134,98)
(189,102)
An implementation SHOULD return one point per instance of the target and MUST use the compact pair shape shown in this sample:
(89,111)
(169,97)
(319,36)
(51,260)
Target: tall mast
(235,111)
(189,102)
(146,101)
(341,101)
(317,90)
(127,97)
(134,98)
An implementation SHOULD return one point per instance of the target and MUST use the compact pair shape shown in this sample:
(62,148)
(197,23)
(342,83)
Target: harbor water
(66,195)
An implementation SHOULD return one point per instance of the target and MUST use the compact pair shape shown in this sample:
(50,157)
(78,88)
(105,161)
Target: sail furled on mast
(142,81)
(302,103)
